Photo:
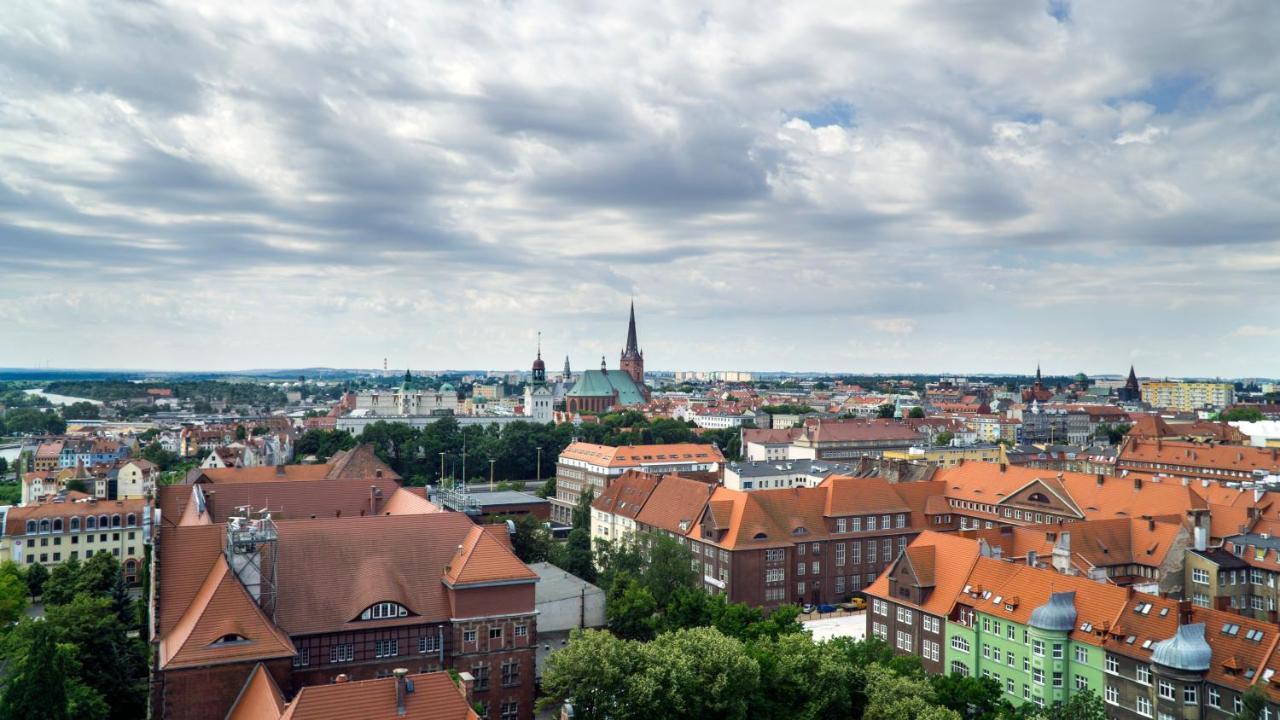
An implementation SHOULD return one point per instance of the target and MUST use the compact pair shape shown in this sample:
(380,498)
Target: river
(61,399)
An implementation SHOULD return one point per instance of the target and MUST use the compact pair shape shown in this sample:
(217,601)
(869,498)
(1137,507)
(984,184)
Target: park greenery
(787,409)
(79,661)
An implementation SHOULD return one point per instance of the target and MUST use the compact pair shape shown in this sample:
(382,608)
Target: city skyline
(907,188)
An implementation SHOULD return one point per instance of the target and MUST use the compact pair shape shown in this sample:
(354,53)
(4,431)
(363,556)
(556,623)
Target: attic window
(229,639)
(1130,639)
(1230,629)
(383,611)
(800,531)
(760,536)
(1086,627)
(1164,611)
(1254,635)
(997,599)
(1146,644)
(1038,497)
(1143,608)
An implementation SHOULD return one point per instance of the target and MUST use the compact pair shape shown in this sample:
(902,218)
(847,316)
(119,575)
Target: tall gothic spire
(633,349)
(1037,373)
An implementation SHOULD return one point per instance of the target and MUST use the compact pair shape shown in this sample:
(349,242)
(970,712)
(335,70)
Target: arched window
(761,536)
(75,524)
(1038,498)
(44,526)
(384,610)
(57,525)
(91,523)
(115,521)
(131,520)
(103,522)
(31,527)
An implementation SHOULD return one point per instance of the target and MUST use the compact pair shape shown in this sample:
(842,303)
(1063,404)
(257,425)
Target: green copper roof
(595,383)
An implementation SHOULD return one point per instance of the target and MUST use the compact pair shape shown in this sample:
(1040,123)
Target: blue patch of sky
(837,112)
(1060,10)
(1170,93)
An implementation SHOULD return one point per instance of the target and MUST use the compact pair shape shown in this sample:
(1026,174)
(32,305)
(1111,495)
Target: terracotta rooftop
(1093,543)
(946,559)
(825,432)
(286,500)
(675,504)
(1238,458)
(641,455)
(259,699)
(481,558)
(626,495)
(434,697)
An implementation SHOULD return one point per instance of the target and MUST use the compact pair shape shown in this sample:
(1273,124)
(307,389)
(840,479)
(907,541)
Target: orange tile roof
(286,500)
(626,495)
(77,505)
(1201,456)
(641,455)
(1093,543)
(404,501)
(860,496)
(434,697)
(675,504)
(222,610)
(481,558)
(259,699)
(949,559)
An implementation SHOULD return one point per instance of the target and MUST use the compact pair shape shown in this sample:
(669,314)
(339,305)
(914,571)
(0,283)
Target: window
(855,552)
(879,607)
(840,525)
(904,641)
(1057,651)
(1037,676)
(904,615)
(839,554)
(816,567)
(774,555)
(1112,665)
(510,710)
(1010,686)
(1142,674)
(888,550)
(386,648)
(1189,694)
(839,585)
(959,668)
(1009,631)
(1112,695)
(481,674)
(1200,576)
(800,588)
(1215,697)
(511,673)
(384,610)
(929,650)
(428,644)
(303,658)
(1081,683)
(1037,648)
(871,523)
(1165,689)
(1057,679)
(959,643)
(522,631)
(1082,655)
(468,636)
(799,568)
(495,633)
(342,652)
(1143,706)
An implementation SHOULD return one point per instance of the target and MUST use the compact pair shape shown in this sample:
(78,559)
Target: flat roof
(556,584)
(506,497)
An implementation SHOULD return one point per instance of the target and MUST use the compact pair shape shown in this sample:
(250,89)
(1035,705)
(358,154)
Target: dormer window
(229,639)
(1038,498)
(383,611)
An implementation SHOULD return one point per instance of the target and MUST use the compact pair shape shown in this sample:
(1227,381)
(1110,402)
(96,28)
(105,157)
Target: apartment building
(1042,636)
(71,525)
(1192,461)
(1187,396)
(587,465)
(770,547)
(842,441)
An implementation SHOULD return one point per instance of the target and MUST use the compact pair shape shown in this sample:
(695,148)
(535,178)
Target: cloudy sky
(964,186)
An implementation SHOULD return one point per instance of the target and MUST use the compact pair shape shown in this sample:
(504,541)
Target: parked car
(806,608)
(825,608)
(858,603)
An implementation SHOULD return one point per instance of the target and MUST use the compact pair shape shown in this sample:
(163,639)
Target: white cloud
(437,181)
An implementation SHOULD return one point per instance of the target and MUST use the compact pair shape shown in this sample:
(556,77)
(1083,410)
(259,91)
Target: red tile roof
(640,455)
(434,697)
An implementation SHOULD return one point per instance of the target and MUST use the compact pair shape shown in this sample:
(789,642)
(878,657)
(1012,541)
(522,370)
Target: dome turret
(1186,650)
(1059,614)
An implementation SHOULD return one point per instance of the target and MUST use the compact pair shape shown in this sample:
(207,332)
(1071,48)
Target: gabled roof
(222,624)
(626,495)
(637,456)
(259,699)
(860,496)
(359,463)
(482,559)
(675,504)
(286,500)
(408,501)
(1238,458)
(946,559)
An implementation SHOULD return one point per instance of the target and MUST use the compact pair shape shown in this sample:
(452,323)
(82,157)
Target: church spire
(633,349)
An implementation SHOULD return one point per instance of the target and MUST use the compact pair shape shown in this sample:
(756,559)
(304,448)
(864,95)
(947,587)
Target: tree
(592,672)
(1253,702)
(669,567)
(37,686)
(944,438)
(531,541)
(698,673)
(803,679)
(894,697)
(1243,414)
(323,444)
(575,556)
(162,458)
(4,467)
(37,575)
(119,668)
(631,609)
(81,411)
(548,488)
(13,593)
(917,412)
(885,411)
(241,433)
(974,698)
(98,575)
(63,583)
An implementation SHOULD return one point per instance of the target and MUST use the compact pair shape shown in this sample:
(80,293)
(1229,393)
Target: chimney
(280,469)
(1003,467)
(375,494)
(403,687)
(1032,558)
(1184,612)
(1200,529)
(1062,554)
(468,685)
(1151,522)
(1101,479)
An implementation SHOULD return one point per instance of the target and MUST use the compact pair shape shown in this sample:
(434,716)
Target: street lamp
(442,467)
(539,465)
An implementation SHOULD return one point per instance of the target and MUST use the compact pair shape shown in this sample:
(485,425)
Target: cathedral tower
(632,360)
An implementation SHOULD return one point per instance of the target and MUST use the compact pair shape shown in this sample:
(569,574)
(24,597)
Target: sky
(879,187)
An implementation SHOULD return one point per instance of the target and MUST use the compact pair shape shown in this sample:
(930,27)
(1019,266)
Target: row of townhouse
(74,526)
(1043,636)
(68,452)
(816,544)
(122,480)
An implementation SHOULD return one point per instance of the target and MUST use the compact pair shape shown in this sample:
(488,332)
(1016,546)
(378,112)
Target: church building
(598,391)
(539,399)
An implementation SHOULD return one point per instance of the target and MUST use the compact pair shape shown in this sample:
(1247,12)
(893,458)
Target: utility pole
(539,465)
(442,467)
(464,465)
(491,462)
